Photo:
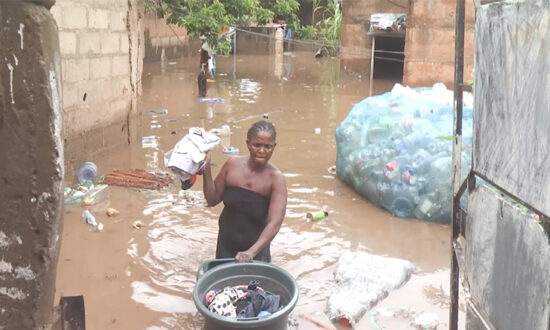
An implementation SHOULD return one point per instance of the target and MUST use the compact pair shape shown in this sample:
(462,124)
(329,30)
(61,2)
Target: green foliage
(330,25)
(284,10)
(206,18)
(306,32)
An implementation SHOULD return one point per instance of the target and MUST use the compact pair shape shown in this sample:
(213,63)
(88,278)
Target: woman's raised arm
(213,189)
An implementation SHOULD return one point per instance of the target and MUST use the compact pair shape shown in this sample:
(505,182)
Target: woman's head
(260,140)
(261,126)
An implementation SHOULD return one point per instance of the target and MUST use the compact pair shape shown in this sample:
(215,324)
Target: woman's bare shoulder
(275,172)
(235,161)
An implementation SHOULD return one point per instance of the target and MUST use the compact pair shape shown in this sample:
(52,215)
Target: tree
(207,18)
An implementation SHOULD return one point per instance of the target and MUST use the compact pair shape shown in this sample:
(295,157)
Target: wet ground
(143,278)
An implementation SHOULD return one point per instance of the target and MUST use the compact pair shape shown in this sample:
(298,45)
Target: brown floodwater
(143,278)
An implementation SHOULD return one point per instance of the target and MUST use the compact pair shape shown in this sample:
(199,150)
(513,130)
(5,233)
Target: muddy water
(143,278)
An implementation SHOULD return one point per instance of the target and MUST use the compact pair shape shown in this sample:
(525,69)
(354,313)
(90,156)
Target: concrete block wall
(101,63)
(170,39)
(430,43)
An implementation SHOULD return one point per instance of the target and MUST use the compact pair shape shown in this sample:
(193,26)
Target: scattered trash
(317,130)
(149,142)
(426,321)
(155,112)
(90,219)
(137,178)
(381,318)
(86,194)
(87,172)
(210,80)
(317,323)
(332,169)
(345,322)
(314,216)
(364,279)
(88,202)
(395,149)
(137,224)
(112,212)
(211,100)
(230,150)
(224,130)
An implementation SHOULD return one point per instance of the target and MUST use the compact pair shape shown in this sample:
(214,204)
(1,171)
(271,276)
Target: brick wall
(429,41)
(101,45)
(356,44)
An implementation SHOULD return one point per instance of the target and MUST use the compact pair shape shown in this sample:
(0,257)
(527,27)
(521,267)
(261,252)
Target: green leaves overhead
(207,18)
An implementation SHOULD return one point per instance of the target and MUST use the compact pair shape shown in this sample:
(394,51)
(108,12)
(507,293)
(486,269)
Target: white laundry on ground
(187,155)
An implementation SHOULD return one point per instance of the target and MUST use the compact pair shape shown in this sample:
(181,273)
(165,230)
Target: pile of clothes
(243,301)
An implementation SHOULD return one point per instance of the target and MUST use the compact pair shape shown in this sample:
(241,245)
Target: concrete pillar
(31,154)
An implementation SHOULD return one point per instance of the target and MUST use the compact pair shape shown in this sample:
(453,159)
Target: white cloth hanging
(190,151)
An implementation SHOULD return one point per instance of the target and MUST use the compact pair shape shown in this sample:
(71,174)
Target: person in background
(254,194)
(201,82)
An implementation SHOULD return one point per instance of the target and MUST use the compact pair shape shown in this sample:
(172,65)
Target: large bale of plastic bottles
(395,149)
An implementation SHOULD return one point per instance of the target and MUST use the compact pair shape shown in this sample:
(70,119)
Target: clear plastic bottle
(87,172)
(89,218)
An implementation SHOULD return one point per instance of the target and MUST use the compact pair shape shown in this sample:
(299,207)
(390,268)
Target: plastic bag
(395,149)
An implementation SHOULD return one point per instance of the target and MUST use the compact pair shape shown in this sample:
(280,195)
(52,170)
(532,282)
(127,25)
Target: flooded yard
(143,278)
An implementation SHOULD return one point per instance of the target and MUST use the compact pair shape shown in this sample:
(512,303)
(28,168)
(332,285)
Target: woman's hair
(261,126)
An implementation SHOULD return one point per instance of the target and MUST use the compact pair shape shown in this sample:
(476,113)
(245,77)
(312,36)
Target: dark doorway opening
(389,56)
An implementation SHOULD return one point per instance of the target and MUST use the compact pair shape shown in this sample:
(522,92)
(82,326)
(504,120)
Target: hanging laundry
(186,159)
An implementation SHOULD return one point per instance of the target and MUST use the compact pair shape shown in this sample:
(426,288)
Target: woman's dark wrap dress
(243,219)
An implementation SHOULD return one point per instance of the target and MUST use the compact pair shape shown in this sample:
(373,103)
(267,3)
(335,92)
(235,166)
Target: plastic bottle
(318,215)
(87,172)
(89,218)
(400,147)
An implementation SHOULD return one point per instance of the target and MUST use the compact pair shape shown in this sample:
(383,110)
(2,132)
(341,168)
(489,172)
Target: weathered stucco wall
(31,179)
(169,39)
(430,43)
(102,50)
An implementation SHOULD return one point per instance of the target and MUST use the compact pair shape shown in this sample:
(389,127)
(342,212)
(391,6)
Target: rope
(366,53)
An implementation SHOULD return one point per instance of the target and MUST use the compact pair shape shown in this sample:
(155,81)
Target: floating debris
(111,212)
(155,112)
(137,178)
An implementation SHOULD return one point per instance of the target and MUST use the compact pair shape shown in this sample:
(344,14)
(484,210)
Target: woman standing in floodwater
(254,195)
